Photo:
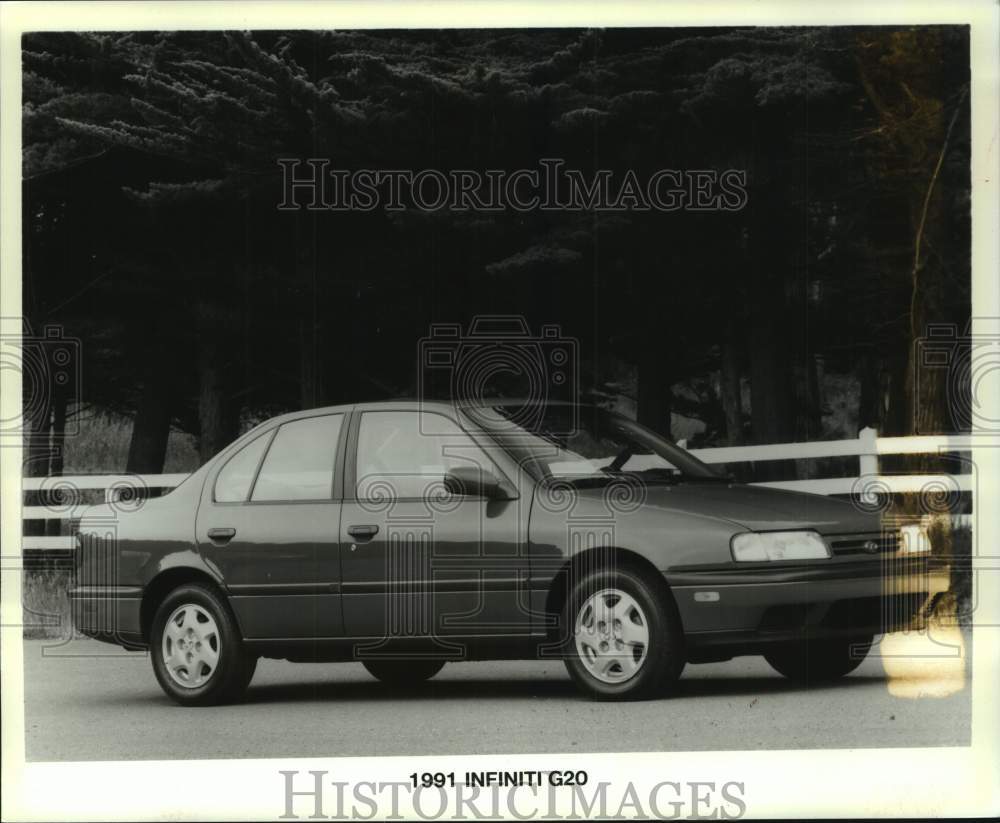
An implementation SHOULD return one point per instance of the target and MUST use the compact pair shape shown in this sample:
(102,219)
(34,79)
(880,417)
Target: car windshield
(586,442)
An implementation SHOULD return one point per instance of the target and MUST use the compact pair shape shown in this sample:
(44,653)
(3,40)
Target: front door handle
(362,531)
(221,535)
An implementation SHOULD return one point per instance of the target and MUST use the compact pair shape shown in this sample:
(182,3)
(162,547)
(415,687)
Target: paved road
(80,706)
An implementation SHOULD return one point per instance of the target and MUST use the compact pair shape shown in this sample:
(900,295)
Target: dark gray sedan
(408,534)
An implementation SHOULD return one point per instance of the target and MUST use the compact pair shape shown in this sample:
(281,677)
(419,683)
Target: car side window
(234,481)
(299,464)
(406,454)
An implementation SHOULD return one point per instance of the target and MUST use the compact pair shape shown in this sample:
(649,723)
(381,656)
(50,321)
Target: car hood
(758,508)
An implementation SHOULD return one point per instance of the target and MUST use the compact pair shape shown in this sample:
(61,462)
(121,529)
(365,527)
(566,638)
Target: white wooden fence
(867,447)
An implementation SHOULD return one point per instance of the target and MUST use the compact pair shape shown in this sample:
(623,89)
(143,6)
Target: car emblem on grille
(871,546)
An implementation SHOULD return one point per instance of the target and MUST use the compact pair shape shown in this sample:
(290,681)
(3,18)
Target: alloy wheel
(191,645)
(612,635)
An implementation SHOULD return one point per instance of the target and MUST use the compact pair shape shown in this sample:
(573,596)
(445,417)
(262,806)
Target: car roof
(413,404)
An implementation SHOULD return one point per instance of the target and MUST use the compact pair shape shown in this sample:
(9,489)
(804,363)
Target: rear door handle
(221,535)
(362,531)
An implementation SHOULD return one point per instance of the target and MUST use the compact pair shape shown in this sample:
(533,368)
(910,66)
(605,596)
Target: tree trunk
(59,408)
(147,449)
(770,386)
(893,405)
(868,401)
(817,385)
(38,453)
(60,405)
(218,414)
(732,394)
(927,390)
(654,392)
(308,364)
(310,353)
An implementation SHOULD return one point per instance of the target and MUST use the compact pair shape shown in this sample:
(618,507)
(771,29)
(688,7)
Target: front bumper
(751,608)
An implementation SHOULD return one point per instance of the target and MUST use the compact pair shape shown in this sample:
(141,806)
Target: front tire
(403,672)
(198,654)
(819,660)
(624,639)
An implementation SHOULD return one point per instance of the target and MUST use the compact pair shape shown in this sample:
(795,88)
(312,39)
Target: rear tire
(197,651)
(819,660)
(623,636)
(403,672)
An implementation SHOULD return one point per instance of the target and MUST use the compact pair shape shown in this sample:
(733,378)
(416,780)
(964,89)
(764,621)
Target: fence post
(868,452)
(868,463)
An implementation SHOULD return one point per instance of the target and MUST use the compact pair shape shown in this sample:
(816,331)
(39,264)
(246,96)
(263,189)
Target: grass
(97,443)
(45,604)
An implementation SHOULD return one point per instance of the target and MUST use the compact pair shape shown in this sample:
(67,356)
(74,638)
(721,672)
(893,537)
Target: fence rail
(867,447)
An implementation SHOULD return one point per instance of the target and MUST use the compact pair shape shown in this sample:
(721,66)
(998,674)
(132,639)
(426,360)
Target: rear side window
(234,481)
(299,464)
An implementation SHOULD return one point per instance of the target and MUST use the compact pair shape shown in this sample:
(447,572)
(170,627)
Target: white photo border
(803,783)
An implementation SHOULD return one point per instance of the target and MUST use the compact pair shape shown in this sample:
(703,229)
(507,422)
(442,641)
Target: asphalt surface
(81,704)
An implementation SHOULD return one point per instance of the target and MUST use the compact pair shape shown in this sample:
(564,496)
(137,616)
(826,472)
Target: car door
(418,561)
(270,522)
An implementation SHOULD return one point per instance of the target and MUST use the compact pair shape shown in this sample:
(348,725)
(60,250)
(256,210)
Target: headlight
(760,546)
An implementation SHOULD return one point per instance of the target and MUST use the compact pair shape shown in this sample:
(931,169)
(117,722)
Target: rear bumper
(109,614)
(747,610)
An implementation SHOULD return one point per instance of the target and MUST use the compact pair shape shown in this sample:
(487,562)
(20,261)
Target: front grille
(884,543)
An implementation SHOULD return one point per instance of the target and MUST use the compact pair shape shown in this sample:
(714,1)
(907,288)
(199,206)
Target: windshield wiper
(659,476)
(579,481)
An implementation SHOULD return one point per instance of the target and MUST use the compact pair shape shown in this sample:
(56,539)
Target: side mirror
(470,481)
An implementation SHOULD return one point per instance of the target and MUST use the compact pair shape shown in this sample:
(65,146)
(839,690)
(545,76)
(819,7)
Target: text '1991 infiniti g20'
(408,534)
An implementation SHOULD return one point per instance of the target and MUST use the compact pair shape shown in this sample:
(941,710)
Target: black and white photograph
(547,413)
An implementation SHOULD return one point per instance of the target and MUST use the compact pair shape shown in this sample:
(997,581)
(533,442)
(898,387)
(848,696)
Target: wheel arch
(601,558)
(157,589)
